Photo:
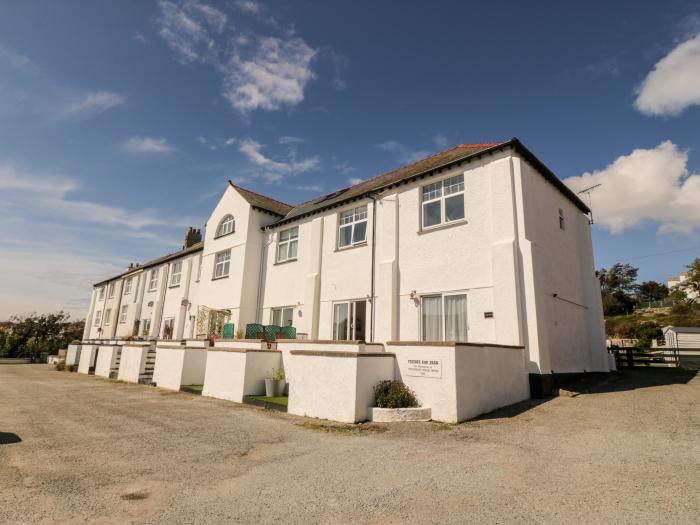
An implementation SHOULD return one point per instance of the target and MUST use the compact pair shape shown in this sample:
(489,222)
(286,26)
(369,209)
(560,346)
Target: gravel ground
(95,450)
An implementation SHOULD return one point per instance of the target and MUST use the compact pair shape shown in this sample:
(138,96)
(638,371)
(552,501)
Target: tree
(35,334)
(651,291)
(692,282)
(618,286)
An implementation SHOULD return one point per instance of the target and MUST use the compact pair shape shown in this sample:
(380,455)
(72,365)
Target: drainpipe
(374,197)
(263,266)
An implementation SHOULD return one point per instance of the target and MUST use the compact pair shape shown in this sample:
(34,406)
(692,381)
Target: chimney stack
(192,237)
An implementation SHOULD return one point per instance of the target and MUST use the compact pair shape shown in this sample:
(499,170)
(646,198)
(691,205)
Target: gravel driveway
(95,450)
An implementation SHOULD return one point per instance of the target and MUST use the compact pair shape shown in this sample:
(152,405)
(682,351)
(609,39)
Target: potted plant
(274,385)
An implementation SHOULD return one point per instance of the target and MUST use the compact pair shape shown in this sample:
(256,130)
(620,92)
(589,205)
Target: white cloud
(674,84)
(98,102)
(440,140)
(273,76)
(646,186)
(248,6)
(16,60)
(258,71)
(138,37)
(355,180)
(187,28)
(146,145)
(230,141)
(403,154)
(313,188)
(290,140)
(275,170)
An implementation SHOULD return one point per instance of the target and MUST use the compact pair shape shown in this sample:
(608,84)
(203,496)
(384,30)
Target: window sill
(285,262)
(219,278)
(174,286)
(442,226)
(350,247)
(152,290)
(224,235)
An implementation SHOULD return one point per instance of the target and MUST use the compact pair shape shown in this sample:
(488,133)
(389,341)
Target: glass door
(349,320)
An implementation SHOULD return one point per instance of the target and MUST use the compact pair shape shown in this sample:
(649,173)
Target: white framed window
(108,316)
(282,316)
(98,317)
(127,286)
(287,243)
(349,320)
(122,314)
(145,327)
(153,280)
(175,273)
(352,227)
(443,201)
(226,225)
(222,262)
(110,294)
(444,317)
(168,326)
(562,224)
(101,295)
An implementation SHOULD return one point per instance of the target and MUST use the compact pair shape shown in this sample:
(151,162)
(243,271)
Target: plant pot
(274,387)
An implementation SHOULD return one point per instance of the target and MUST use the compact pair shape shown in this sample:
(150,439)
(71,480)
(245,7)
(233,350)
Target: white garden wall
(73,354)
(87,358)
(133,362)
(106,360)
(336,385)
(461,381)
(232,373)
(178,365)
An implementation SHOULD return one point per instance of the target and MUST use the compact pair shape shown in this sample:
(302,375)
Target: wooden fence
(657,357)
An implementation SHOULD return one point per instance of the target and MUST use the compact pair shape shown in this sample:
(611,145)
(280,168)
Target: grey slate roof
(422,168)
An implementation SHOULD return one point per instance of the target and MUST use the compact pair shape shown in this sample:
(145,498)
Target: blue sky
(121,122)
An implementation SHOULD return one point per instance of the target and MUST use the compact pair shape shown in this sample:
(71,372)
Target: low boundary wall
(87,358)
(460,381)
(73,354)
(133,361)
(107,360)
(178,365)
(337,385)
(232,373)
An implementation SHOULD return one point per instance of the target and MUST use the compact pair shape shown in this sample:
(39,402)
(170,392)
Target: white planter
(393,415)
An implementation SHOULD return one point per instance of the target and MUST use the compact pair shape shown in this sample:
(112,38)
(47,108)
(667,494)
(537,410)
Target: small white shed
(682,337)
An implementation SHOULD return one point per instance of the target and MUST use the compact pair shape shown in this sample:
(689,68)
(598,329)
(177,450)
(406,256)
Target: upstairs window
(98,317)
(102,294)
(226,226)
(562,224)
(111,291)
(122,315)
(287,244)
(282,316)
(108,316)
(352,228)
(443,201)
(222,263)
(127,286)
(176,273)
(153,280)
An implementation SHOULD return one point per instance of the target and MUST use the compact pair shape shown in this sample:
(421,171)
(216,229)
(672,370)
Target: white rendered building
(479,243)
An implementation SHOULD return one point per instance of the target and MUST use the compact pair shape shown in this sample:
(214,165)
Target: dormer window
(226,226)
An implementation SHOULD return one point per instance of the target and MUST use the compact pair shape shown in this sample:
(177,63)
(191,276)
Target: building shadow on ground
(600,383)
(7,438)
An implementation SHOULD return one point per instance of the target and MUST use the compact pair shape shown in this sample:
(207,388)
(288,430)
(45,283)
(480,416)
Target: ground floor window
(444,317)
(145,327)
(349,320)
(282,316)
(124,311)
(168,328)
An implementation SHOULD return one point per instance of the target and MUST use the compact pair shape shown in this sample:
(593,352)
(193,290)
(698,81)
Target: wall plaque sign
(424,368)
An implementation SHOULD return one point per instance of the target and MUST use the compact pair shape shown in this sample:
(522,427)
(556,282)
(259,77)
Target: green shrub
(60,366)
(394,394)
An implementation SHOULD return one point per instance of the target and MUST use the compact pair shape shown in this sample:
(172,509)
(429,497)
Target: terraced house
(479,243)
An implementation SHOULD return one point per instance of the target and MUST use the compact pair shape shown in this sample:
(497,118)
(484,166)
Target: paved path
(94,450)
